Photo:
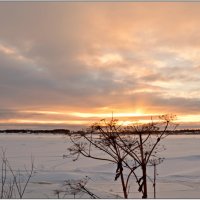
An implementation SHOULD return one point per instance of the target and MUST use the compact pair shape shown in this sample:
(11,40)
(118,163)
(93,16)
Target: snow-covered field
(179,174)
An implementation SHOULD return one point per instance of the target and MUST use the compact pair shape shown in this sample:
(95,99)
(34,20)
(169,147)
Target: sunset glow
(100,60)
(86,119)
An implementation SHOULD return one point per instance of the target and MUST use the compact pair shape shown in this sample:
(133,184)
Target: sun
(139,112)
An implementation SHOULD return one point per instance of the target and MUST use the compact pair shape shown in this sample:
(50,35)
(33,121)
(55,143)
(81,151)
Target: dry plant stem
(154,181)
(85,154)
(112,150)
(121,170)
(75,187)
(130,148)
(145,156)
(90,193)
(158,140)
(18,183)
(12,187)
(143,166)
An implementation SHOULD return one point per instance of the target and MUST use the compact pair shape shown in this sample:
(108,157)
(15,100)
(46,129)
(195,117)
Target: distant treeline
(67,131)
(185,131)
(28,131)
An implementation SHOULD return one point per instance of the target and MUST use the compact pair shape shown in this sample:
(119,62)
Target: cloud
(80,56)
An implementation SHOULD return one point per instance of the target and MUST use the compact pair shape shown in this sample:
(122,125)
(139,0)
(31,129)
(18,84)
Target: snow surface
(179,174)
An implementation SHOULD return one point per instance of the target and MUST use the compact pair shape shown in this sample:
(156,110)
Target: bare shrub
(127,147)
(74,188)
(13,183)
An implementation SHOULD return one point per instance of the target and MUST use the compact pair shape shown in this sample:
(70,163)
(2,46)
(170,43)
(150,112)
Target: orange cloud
(98,58)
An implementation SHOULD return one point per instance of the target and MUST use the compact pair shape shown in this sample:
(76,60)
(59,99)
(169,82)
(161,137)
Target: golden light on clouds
(102,60)
(31,121)
(98,59)
(110,58)
(6,50)
(188,118)
(86,119)
(138,112)
(14,53)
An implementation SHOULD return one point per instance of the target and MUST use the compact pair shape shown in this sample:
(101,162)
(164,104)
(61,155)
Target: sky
(65,64)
